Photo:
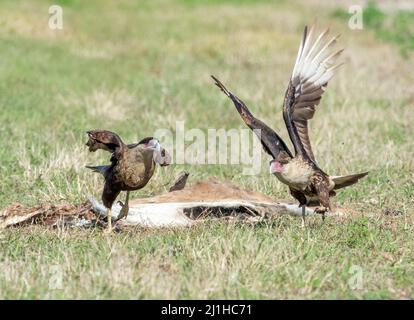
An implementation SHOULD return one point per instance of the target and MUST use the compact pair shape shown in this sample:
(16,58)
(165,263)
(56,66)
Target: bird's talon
(321,210)
(303,224)
(107,231)
(123,213)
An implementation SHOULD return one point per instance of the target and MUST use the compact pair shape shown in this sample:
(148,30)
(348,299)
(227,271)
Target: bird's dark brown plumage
(132,166)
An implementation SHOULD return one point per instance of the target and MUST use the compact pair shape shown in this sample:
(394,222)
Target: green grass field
(136,66)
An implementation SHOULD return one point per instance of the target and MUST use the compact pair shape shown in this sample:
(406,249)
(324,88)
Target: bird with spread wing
(315,65)
(131,168)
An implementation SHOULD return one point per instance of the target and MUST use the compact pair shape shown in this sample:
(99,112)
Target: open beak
(165,158)
(161,156)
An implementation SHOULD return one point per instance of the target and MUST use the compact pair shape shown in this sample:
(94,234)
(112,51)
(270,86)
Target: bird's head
(160,155)
(277,164)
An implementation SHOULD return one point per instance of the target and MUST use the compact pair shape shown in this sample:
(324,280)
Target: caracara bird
(308,183)
(132,166)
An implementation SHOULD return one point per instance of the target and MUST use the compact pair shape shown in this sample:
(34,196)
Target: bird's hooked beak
(161,156)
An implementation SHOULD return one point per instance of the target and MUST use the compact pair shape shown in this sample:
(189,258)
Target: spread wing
(271,142)
(105,140)
(314,67)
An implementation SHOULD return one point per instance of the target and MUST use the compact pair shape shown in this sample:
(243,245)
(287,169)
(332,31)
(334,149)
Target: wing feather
(315,65)
(271,142)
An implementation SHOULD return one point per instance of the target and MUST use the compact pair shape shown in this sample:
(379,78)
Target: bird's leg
(322,211)
(109,224)
(322,191)
(300,196)
(125,207)
(303,216)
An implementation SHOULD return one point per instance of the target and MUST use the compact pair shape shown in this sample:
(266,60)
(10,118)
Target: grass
(394,27)
(215,260)
(133,67)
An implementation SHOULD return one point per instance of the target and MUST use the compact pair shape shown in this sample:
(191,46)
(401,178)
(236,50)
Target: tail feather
(98,169)
(345,181)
